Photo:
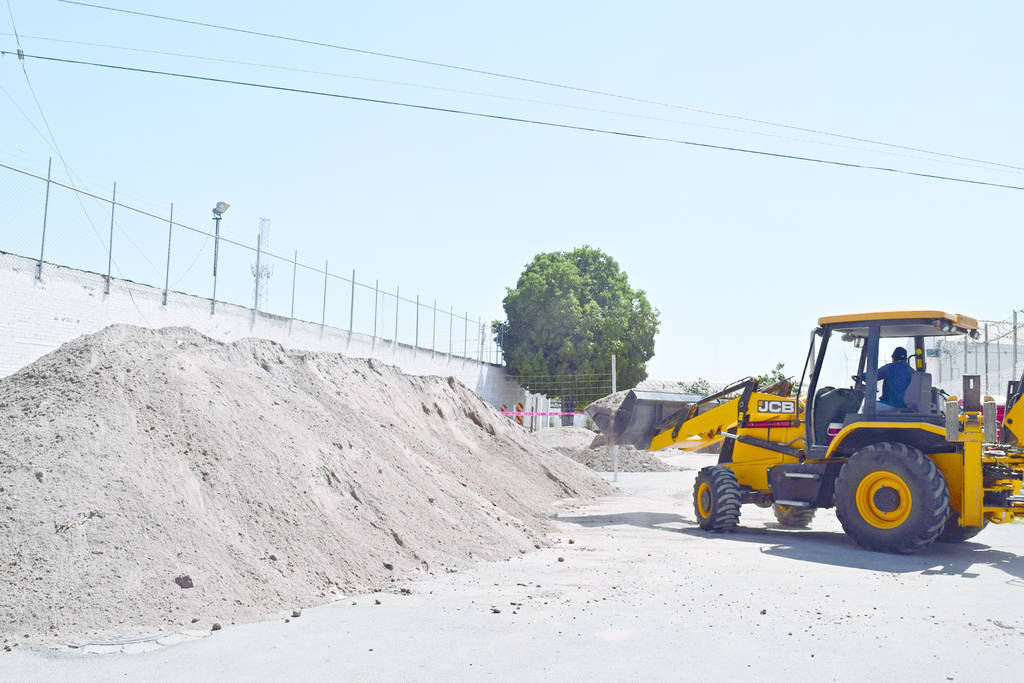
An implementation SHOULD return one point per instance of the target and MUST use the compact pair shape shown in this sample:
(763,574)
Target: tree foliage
(699,386)
(568,313)
(773,376)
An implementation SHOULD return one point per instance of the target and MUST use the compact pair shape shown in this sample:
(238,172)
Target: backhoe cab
(899,479)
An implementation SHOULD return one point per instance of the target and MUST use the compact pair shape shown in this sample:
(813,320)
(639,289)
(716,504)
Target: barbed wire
(478,322)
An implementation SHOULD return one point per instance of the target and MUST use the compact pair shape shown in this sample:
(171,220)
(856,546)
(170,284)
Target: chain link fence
(60,223)
(997,356)
(558,400)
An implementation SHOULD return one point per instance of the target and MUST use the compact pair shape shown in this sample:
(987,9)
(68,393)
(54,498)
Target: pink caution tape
(512,414)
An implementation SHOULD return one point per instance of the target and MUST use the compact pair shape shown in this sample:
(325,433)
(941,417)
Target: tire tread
(726,498)
(936,497)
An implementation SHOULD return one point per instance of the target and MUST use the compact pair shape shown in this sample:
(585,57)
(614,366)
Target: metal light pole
(218,211)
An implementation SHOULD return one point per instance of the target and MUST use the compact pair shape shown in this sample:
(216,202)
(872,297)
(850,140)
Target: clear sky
(741,254)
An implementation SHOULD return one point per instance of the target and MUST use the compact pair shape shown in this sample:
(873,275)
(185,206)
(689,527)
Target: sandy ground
(641,594)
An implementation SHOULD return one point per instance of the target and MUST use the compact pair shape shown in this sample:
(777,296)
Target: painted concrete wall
(38,315)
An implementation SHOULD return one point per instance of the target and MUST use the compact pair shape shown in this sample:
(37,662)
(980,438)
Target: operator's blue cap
(899,353)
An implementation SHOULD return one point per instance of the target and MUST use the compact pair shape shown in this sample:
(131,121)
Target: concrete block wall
(37,316)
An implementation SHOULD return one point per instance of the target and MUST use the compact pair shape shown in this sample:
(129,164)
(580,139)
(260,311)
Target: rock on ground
(271,478)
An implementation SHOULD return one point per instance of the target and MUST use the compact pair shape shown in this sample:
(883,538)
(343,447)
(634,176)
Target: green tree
(568,313)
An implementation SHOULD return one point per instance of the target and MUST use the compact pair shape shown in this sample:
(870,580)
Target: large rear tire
(798,518)
(954,533)
(717,499)
(891,498)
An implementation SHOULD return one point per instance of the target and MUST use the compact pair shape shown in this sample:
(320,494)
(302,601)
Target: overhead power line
(511,98)
(46,122)
(534,81)
(516,119)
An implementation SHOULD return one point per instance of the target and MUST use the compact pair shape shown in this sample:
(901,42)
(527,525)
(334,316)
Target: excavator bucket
(632,417)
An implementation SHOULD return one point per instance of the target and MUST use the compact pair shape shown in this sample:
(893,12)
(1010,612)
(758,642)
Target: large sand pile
(271,479)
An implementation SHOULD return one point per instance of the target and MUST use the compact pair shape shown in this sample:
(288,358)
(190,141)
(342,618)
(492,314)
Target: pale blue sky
(740,254)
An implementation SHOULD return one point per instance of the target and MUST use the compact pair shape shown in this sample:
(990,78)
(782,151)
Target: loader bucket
(634,420)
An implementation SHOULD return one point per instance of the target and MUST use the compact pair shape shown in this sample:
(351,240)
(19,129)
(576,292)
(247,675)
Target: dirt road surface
(632,589)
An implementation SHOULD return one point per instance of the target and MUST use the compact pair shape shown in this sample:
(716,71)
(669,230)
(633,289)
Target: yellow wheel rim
(704,500)
(884,500)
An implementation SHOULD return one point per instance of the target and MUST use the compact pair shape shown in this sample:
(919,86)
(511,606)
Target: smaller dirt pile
(588,448)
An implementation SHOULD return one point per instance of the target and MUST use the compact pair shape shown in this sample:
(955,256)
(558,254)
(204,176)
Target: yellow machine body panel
(751,464)
(1013,421)
(848,430)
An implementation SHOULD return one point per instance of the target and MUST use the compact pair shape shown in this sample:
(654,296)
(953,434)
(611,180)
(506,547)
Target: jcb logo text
(784,407)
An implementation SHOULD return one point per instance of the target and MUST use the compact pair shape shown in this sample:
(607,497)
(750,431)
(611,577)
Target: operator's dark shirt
(895,380)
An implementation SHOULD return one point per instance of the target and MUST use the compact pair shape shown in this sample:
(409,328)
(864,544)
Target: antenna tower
(261,270)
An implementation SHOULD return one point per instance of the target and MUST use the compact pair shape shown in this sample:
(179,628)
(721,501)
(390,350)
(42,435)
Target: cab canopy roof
(903,323)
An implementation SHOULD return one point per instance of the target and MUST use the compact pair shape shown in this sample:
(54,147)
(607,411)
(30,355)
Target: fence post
(451,329)
(352,305)
(256,291)
(110,244)
(394,345)
(167,270)
(986,358)
(999,360)
(216,257)
(465,336)
(1014,373)
(433,332)
(295,273)
(323,314)
(615,448)
(46,210)
(966,338)
(376,288)
(416,346)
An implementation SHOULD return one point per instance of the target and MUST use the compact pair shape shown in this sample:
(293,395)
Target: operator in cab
(895,378)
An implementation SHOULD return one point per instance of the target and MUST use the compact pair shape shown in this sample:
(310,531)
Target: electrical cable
(515,119)
(60,155)
(524,79)
(39,107)
(510,98)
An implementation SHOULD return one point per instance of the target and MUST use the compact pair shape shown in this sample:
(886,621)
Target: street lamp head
(220,208)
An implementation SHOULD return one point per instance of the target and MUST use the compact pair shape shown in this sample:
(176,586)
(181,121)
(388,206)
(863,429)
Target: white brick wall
(37,316)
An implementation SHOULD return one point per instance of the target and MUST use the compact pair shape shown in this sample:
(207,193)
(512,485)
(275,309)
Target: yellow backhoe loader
(900,479)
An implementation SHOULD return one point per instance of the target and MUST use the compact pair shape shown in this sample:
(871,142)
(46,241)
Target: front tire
(891,498)
(797,518)
(716,499)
